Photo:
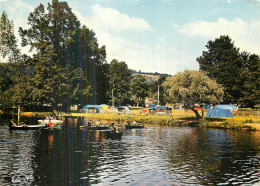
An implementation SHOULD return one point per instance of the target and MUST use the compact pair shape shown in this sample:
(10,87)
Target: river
(157,155)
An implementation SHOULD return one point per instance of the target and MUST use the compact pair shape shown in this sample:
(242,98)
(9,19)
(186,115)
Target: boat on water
(27,127)
(113,134)
(95,127)
(133,126)
(50,120)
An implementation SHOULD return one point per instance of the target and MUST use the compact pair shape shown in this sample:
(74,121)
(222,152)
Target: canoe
(54,121)
(134,126)
(100,127)
(27,127)
(114,134)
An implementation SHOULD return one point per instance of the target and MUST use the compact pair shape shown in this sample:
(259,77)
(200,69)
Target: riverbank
(236,123)
(240,121)
(188,119)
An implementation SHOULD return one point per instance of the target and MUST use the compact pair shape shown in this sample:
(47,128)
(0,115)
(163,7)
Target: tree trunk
(196,113)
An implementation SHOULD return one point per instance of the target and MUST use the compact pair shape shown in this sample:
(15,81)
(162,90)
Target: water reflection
(16,157)
(158,155)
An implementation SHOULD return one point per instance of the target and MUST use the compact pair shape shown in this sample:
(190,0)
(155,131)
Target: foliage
(250,77)
(66,60)
(139,88)
(8,46)
(13,81)
(237,72)
(192,87)
(119,81)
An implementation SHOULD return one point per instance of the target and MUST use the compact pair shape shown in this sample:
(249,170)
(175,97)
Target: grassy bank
(154,119)
(241,120)
(35,114)
(180,117)
(238,123)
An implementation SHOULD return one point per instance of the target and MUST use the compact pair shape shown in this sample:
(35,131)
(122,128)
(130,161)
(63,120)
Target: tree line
(68,67)
(225,75)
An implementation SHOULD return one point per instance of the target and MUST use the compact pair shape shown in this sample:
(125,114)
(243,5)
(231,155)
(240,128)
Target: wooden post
(19,112)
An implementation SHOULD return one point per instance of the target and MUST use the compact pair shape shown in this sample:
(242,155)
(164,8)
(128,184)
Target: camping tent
(160,110)
(124,109)
(219,113)
(230,107)
(149,105)
(92,109)
(112,110)
(105,107)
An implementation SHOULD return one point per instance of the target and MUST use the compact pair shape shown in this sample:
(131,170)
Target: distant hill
(150,76)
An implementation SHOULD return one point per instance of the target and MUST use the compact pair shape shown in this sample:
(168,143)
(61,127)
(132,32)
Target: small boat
(95,127)
(127,126)
(51,128)
(27,127)
(114,134)
(54,121)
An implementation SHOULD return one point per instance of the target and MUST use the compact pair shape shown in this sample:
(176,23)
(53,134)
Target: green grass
(180,117)
(35,114)
(238,122)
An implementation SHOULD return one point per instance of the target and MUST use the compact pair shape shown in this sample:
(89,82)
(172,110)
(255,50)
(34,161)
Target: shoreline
(237,123)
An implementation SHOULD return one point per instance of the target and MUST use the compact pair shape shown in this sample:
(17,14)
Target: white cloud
(108,24)
(112,20)
(245,34)
(149,58)
(258,1)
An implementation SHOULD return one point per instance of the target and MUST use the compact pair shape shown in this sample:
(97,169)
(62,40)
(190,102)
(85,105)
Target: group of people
(134,123)
(98,122)
(112,126)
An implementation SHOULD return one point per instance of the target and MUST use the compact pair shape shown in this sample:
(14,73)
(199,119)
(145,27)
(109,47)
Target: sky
(164,36)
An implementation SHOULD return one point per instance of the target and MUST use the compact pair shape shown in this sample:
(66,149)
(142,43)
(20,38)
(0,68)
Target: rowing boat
(27,127)
(127,126)
(114,134)
(54,121)
(95,127)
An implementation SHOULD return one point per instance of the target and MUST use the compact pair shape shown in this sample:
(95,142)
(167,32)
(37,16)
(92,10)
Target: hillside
(150,77)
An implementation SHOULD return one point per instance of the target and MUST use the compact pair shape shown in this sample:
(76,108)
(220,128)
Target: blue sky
(163,36)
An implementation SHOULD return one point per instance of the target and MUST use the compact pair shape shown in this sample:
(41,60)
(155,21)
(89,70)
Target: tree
(250,76)
(67,60)
(119,81)
(139,88)
(13,85)
(237,72)
(49,35)
(222,63)
(193,87)
(8,42)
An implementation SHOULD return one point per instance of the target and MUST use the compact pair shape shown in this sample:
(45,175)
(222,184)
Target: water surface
(158,155)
